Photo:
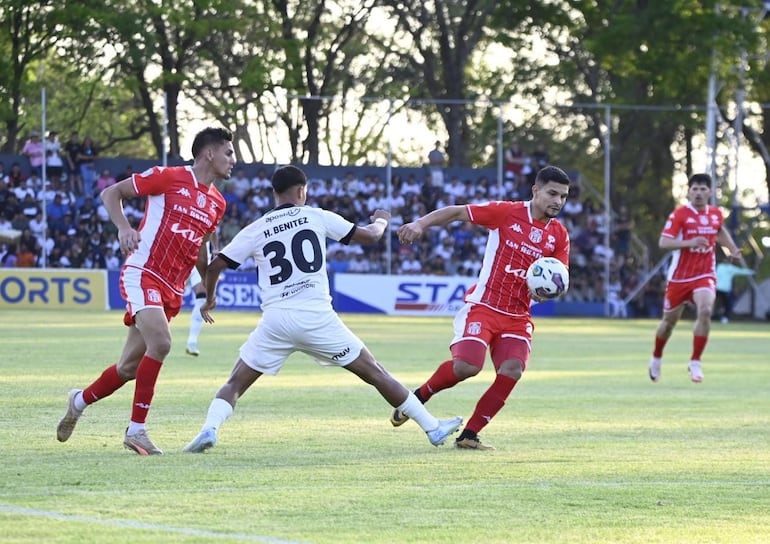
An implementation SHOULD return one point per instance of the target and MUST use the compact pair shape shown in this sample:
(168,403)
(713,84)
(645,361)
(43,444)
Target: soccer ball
(547,278)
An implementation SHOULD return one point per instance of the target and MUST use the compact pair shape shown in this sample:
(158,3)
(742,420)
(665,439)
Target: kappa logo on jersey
(688,220)
(551,242)
(474,328)
(184,192)
(517,228)
(153,295)
(536,235)
(519,272)
(189,234)
(200,200)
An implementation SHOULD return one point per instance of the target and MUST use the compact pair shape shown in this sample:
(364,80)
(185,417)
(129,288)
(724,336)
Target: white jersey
(289,247)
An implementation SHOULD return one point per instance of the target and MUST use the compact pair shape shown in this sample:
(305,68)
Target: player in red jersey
(692,232)
(496,315)
(183,210)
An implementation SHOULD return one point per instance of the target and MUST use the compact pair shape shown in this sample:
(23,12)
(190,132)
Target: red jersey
(179,213)
(686,223)
(515,240)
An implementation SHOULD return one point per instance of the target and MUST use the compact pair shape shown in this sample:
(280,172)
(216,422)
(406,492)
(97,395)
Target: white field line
(17,510)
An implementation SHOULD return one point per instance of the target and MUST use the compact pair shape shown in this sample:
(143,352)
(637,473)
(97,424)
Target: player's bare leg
(704,307)
(223,405)
(152,324)
(662,335)
(111,379)
(398,396)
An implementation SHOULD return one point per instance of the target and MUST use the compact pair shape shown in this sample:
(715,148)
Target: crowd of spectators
(77,231)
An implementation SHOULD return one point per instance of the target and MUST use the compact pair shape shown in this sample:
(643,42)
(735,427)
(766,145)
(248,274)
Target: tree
(28,31)
(437,40)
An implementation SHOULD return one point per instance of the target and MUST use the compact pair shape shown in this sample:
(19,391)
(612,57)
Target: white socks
(196,322)
(219,411)
(415,410)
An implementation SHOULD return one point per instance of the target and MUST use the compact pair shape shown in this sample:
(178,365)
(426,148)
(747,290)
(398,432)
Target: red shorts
(478,328)
(140,290)
(677,293)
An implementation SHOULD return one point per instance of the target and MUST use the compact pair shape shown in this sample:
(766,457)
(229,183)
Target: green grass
(589,450)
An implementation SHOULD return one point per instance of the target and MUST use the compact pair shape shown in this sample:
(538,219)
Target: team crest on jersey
(536,235)
(153,295)
(474,328)
(200,200)
(703,220)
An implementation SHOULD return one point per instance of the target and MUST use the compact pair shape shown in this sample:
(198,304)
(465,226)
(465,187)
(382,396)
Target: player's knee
(464,370)
(513,368)
(468,358)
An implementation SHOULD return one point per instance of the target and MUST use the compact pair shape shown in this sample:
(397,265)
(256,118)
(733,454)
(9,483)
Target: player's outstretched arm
(409,232)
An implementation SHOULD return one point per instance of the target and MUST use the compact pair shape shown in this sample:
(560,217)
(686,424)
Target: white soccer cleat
(206,439)
(193,350)
(696,372)
(445,428)
(655,363)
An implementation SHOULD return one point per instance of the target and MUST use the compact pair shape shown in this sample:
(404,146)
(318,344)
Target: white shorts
(281,332)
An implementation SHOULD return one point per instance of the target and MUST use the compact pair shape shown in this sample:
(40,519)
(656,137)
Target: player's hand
(536,298)
(129,241)
(700,241)
(206,310)
(409,232)
(380,214)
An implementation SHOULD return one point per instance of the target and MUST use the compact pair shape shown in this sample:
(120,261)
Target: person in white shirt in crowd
(411,187)
(260,181)
(241,184)
(54,164)
(376,201)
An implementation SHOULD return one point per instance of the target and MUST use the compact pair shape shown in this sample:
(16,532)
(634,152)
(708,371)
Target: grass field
(589,450)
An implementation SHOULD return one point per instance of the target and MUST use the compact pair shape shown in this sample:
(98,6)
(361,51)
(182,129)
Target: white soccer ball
(547,278)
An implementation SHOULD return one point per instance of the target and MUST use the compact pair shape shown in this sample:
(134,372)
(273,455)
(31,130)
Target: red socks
(660,343)
(104,386)
(443,378)
(491,402)
(698,345)
(146,376)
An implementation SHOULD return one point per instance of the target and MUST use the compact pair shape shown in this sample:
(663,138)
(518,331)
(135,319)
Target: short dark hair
(699,179)
(286,177)
(209,136)
(552,173)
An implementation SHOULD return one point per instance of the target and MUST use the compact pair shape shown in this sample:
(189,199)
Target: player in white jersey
(288,245)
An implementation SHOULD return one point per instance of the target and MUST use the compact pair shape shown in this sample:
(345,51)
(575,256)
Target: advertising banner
(53,289)
(236,291)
